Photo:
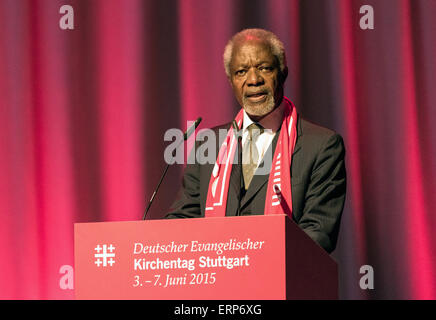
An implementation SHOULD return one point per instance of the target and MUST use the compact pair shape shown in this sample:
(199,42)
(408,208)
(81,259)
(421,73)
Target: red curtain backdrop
(83,114)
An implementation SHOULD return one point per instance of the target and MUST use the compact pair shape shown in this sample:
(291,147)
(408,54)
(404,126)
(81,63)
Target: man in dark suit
(255,64)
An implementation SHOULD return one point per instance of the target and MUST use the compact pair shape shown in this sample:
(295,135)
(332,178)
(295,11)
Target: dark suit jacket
(318,181)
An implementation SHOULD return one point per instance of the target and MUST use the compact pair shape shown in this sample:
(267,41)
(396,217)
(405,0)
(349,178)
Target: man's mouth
(256,96)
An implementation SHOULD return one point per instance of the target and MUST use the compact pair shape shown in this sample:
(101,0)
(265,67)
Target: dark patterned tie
(250,154)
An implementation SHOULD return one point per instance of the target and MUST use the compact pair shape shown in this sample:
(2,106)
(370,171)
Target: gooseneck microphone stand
(186,135)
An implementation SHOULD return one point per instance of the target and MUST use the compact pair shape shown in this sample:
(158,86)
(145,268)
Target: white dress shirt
(271,123)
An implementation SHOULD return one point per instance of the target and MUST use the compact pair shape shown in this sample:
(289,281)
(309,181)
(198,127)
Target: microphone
(186,135)
(191,129)
(238,136)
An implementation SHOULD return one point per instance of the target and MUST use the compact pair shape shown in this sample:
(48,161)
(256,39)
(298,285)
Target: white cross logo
(102,258)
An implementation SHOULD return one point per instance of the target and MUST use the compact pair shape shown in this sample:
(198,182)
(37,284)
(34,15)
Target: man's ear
(229,78)
(284,75)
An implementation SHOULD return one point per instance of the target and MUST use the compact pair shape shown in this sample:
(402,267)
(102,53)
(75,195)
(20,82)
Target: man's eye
(240,72)
(266,69)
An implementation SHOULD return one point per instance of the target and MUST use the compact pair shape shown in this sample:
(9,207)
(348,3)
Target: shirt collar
(247,121)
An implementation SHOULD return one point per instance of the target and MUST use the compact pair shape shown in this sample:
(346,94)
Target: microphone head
(197,122)
(192,128)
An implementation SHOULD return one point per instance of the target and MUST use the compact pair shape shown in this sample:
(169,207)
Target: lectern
(243,258)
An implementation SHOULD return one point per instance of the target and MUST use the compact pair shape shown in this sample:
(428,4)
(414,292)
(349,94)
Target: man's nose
(254,77)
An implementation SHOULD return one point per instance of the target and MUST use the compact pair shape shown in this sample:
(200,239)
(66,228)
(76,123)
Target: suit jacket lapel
(299,133)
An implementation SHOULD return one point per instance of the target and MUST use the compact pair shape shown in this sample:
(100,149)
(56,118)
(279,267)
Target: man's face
(255,77)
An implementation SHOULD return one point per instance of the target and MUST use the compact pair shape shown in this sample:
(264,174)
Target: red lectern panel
(255,257)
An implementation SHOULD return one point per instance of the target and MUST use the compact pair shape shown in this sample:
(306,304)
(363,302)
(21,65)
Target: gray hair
(274,42)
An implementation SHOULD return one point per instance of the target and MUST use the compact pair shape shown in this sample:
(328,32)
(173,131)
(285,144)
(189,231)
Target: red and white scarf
(278,195)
